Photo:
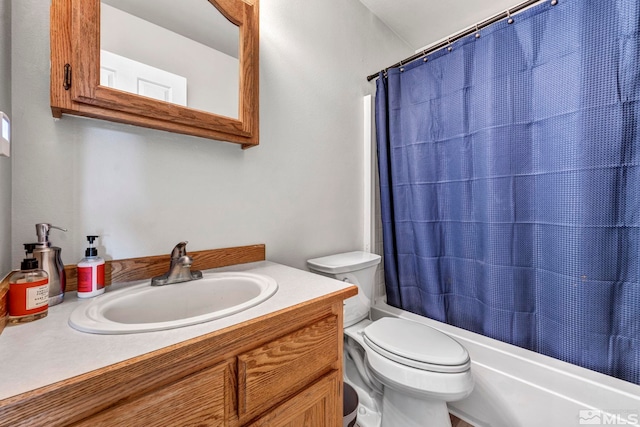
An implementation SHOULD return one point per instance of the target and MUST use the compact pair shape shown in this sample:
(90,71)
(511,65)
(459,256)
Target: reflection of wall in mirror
(213,80)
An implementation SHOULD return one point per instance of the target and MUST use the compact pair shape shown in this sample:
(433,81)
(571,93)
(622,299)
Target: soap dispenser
(28,290)
(50,260)
(90,272)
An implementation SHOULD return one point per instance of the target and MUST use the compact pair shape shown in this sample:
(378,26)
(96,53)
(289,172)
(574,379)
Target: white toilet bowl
(417,376)
(404,370)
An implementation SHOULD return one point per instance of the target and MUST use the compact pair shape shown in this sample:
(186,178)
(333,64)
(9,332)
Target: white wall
(300,191)
(5,163)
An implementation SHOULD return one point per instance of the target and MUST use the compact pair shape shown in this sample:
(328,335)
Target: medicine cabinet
(198,84)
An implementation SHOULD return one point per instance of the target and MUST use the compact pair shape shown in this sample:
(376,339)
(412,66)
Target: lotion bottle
(28,290)
(90,272)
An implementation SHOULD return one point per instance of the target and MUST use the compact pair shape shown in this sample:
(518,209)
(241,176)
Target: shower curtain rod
(464,33)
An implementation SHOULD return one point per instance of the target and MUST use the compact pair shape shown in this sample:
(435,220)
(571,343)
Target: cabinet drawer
(197,400)
(272,373)
(319,405)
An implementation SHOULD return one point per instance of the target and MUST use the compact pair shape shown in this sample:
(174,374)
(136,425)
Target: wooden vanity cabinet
(283,369)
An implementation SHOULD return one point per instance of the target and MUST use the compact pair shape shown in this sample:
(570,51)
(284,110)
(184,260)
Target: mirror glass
(184,52)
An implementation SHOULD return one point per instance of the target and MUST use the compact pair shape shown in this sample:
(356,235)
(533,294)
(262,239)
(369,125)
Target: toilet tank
(356,267)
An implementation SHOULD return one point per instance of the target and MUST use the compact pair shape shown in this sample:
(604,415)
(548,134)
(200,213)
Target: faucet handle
(180,250)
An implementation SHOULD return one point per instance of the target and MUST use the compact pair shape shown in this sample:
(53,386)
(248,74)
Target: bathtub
(517,387)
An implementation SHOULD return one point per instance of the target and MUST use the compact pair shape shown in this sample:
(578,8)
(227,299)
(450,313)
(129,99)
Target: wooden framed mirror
(81,86)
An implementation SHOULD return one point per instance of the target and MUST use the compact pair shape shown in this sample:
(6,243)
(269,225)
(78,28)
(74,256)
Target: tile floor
(455,422)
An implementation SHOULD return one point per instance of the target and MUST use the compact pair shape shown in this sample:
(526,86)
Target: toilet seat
(416,345)
(399,375)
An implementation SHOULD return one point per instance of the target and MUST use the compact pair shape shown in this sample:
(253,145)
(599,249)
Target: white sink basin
(145,308)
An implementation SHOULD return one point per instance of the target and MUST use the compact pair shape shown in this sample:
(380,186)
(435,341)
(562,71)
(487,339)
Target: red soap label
(90,278)
(100,277)
(85,279)
(28,297)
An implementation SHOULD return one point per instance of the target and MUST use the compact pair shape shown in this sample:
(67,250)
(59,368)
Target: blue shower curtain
(510,183)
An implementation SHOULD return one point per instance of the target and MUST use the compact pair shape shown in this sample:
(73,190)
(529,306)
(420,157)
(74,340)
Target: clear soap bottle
(90,272)
(28,291)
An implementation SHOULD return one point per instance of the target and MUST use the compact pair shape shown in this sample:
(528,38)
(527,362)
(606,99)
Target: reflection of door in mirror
(182,52)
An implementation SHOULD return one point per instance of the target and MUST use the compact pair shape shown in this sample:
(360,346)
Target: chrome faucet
(180,268)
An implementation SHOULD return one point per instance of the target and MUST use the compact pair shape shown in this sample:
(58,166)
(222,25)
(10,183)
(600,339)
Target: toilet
(404,372)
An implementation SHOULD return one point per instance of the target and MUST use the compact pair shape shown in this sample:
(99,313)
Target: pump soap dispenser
(28,290)
(50,260)
(90,272)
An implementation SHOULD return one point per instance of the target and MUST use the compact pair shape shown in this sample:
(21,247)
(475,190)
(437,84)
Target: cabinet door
(320,405)
(196,400)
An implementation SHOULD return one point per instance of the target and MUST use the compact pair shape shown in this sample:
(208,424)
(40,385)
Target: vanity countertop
(48,350)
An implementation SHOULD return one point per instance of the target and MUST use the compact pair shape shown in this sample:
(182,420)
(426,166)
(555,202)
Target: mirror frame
(75,77)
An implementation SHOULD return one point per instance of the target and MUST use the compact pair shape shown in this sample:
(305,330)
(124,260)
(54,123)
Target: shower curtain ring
(449,43)
(401,67)
(477,32)
(426,58)
(510,20)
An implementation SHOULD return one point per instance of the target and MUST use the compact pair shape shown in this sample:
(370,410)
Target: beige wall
(300,191)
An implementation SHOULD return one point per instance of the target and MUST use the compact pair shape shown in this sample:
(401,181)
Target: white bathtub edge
(517,387)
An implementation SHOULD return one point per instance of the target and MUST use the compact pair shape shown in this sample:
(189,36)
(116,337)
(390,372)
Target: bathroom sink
(146,308)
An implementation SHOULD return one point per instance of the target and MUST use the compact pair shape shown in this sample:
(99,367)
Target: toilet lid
(417,345)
